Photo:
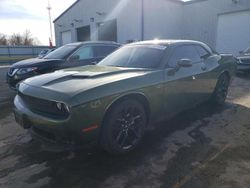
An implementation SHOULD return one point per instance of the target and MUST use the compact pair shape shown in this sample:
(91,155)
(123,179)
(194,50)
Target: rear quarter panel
(227,63)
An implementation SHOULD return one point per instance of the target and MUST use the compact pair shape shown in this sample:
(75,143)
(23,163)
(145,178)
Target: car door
(83,56)
(208,78)
(87,55)
(181,88)
(101,51)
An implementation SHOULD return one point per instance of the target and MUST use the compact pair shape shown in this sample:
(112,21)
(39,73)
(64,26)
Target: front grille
(43,107)
(245,61)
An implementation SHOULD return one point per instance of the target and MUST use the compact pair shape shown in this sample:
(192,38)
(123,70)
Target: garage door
(83,33)
(66,37)
(107,31)
(233,32)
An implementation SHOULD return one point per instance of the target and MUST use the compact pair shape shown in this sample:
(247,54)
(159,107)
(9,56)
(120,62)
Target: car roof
(167,42)
(94,43)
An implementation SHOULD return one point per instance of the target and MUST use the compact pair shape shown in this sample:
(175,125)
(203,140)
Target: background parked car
(243,63)
(113,102)
(45,52)
(70,55)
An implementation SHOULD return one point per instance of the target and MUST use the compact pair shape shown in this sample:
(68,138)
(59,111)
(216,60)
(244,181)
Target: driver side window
(85,52)
(183,52)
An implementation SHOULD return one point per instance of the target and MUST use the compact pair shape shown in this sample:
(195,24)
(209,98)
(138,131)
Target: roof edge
(192,1)
(176,1)
(66,11)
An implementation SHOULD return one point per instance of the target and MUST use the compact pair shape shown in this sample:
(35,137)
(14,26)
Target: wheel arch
(226,72)
(140,97)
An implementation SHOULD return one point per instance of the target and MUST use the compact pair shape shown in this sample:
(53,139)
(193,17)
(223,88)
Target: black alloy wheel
(124,127)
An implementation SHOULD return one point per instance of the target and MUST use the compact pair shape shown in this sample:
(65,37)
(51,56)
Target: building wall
(129,19)
(201,18)
(126,12)
(162,18)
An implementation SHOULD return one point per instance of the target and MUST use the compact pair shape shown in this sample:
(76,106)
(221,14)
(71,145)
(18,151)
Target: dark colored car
(113,102)
(243,63)
(45,52)
(70,55)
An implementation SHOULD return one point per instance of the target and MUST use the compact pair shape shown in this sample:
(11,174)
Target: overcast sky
(18,15)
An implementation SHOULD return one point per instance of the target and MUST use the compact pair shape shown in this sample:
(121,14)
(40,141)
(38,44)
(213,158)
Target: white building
(223,24)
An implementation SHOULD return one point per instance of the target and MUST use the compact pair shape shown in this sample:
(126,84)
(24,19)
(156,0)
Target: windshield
(247,51)
(61,52)
(43,52)
(136,56)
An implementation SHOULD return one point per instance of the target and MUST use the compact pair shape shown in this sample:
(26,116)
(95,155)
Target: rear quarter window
(102,51)
(184,52)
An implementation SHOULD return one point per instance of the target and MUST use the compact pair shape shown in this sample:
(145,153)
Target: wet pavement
(203,147)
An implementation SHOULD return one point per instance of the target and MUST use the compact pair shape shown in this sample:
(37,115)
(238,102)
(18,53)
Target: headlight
(238,60)
(62,107)
(26,70)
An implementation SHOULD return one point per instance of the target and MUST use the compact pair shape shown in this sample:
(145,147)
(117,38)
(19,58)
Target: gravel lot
(204,147)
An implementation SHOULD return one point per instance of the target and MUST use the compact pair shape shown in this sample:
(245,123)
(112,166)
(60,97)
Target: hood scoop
(57,80)
(88,74)
(81,76)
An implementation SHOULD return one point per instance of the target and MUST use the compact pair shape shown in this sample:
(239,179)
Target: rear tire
(221,90)
(123,127)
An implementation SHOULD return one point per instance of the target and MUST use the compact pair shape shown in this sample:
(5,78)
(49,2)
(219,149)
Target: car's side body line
(128,95)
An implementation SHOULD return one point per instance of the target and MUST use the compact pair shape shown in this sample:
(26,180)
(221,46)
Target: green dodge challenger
(113,102)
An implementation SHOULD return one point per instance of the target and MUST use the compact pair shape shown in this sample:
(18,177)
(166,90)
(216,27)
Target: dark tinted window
(184,52)
(102,51)
(202,52)
(43,52)
(136,57)
(61,52)
(85,52)
(247,51)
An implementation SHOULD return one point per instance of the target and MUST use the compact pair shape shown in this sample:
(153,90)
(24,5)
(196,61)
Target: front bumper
(243,65)
(244,68)
(12,81)
(57,134)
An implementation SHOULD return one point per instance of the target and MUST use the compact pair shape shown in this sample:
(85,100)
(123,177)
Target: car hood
(68,83)
(32,62)
(245,56)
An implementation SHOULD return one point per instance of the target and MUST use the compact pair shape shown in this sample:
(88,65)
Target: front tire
(123,127)
(221,89)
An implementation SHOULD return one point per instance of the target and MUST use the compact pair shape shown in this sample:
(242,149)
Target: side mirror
(184,63)
(74,58)
(241,52)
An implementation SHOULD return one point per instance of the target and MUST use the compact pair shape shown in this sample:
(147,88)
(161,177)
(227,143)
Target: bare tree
(16,39)
(25,39)
(3,39)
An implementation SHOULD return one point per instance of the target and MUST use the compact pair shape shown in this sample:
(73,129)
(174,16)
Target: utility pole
(51,35)
(142,20)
